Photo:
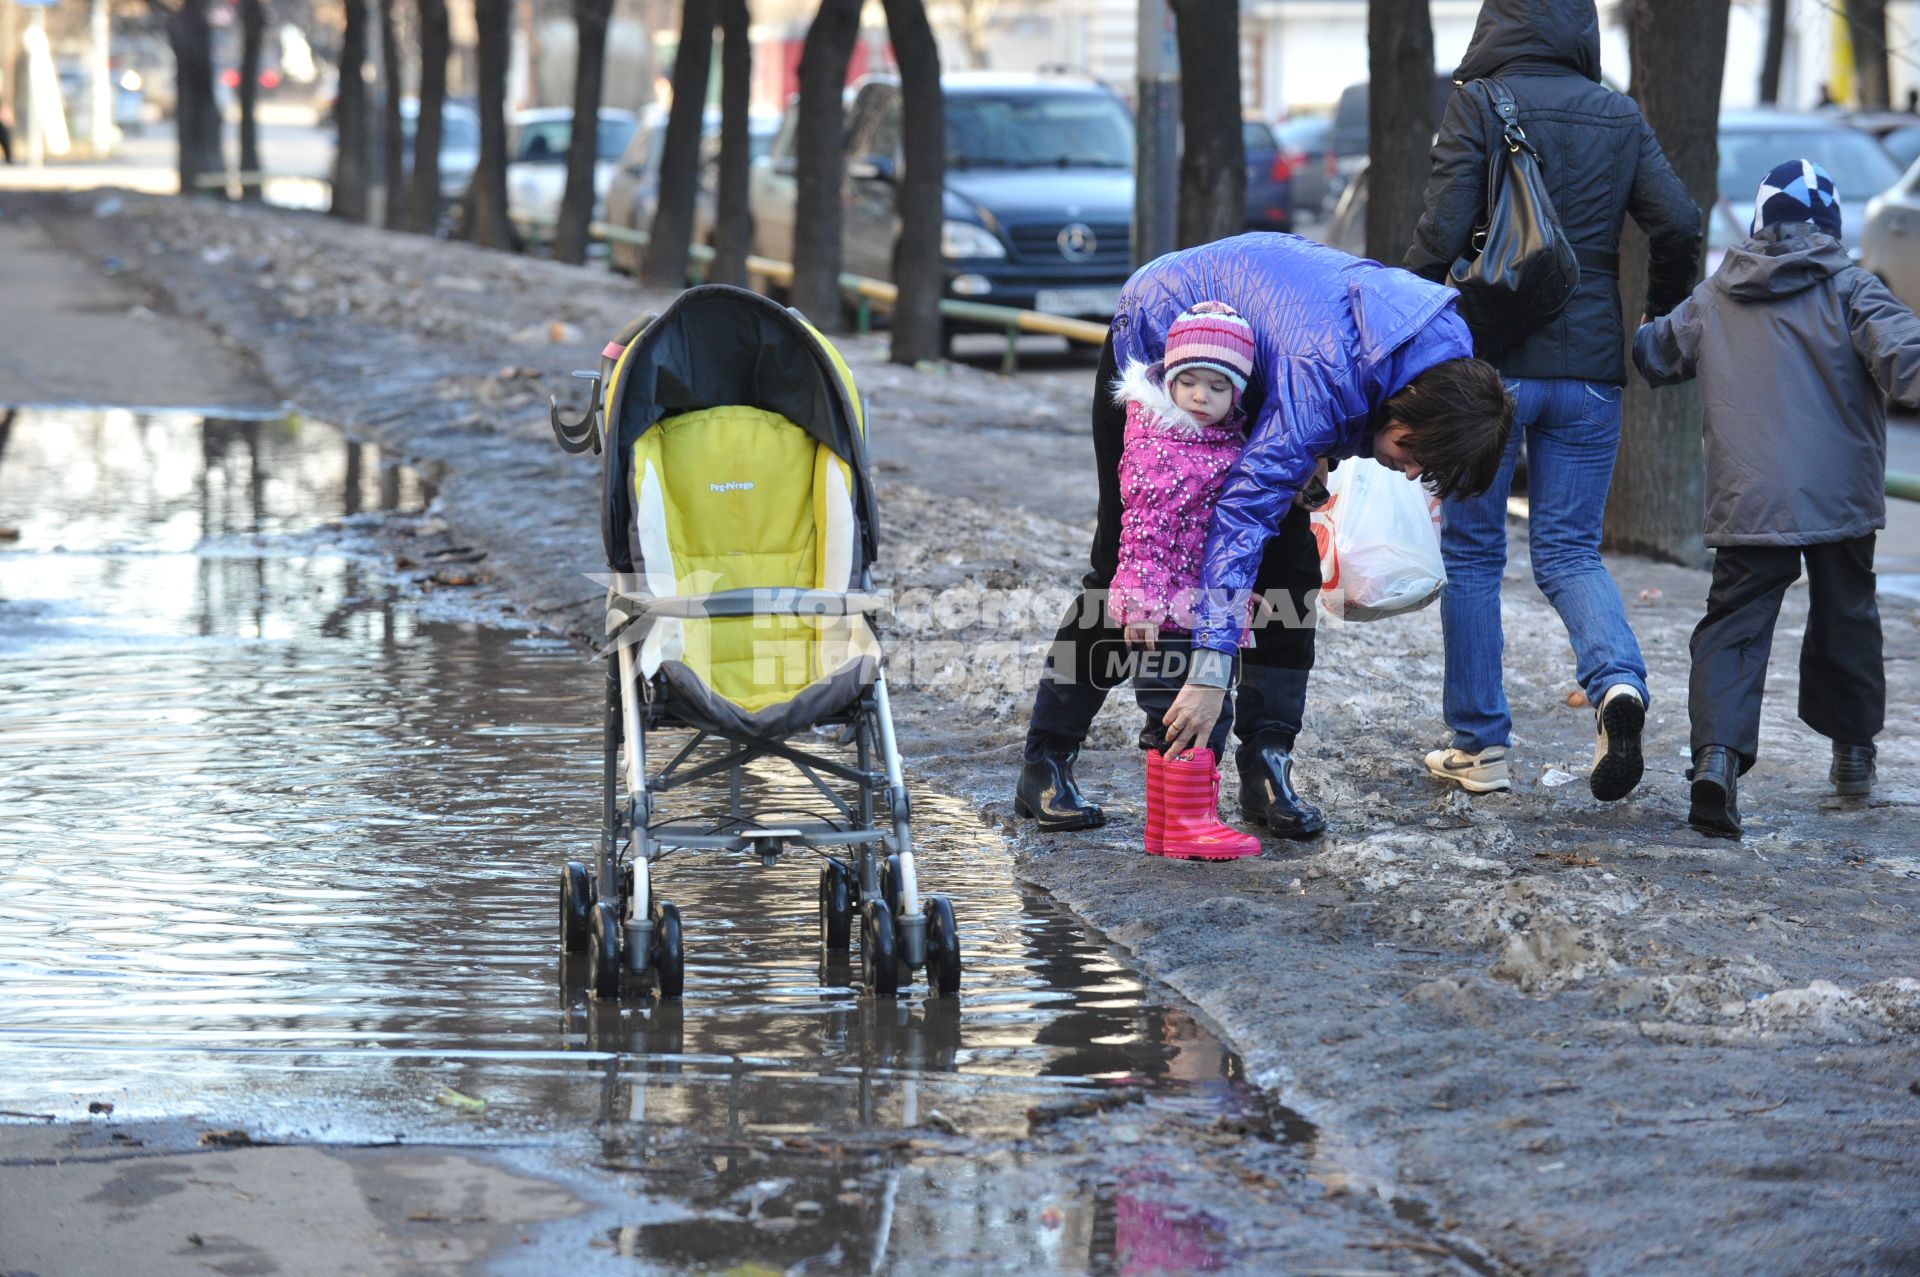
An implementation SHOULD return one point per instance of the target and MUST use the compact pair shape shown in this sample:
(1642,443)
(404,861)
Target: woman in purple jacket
(1351,358)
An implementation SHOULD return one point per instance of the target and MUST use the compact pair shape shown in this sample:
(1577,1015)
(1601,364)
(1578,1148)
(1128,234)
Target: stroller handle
(724,604)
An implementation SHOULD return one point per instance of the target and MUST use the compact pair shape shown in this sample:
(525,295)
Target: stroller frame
(615,913)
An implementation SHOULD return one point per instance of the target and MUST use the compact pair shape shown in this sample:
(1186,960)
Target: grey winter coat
(1601,164)
(1796,349)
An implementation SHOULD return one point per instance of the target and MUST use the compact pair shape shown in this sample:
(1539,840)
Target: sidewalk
(1592,1040)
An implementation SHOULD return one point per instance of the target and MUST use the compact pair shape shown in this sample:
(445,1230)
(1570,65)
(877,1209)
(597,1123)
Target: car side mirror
(874,168)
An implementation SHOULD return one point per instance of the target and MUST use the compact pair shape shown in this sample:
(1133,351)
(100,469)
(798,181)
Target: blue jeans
(1572,430)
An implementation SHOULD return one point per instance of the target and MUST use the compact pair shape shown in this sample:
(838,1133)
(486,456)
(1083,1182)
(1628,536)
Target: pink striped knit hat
(1211,335)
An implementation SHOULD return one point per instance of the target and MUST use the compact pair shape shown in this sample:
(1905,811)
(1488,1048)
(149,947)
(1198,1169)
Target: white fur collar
(1146,385)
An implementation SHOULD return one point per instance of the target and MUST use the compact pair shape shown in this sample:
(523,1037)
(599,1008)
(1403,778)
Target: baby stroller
(739,527)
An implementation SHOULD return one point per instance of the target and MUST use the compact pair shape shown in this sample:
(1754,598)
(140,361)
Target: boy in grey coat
(1796,350)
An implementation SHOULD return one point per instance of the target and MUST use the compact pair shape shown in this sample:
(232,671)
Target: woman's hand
(1316,485)
(1189,722)
(1141,634)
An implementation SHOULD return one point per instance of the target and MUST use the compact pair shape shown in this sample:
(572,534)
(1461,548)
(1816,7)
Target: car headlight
(964,239)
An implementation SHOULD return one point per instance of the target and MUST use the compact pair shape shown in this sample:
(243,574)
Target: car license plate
(1078,301)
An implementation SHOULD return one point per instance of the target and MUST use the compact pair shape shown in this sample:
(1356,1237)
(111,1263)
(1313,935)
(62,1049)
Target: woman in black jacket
(1601,162)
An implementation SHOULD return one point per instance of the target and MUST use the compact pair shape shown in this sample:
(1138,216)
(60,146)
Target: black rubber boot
(1716,792)
(1267,795)
(1853,770)
(1048,794)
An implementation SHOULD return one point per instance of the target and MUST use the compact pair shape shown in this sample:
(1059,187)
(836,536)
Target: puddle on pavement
(281,847)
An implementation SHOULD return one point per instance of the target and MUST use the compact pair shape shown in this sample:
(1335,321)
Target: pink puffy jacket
(1171,472)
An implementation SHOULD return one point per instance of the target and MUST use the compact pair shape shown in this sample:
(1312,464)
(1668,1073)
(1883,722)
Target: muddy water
(279,837)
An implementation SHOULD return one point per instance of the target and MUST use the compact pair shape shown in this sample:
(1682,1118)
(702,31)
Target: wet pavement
(282,829)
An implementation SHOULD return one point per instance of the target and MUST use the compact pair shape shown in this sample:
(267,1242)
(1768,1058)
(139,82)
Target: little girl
(1184,432)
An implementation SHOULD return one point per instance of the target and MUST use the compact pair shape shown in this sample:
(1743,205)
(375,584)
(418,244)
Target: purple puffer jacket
(1171,471)
(1334,337)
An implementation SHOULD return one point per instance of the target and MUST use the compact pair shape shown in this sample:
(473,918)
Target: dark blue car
(1039,190)
(1269,180)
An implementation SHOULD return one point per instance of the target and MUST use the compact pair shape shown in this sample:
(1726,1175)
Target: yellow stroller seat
(739,525)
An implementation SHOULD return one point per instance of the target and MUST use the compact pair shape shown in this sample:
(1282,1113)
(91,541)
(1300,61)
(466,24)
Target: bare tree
(393,177)
(819,145)
(253,21)
(918,331)
(1775,53)
(350,159)
(1213,151)
(665,263)
(1658,489)
(732,228)
(196,117)
(436,45)
(486,202)
(1400,122)
(583,143)
(1867,28)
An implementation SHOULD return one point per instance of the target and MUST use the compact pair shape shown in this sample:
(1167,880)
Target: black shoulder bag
(1520,271)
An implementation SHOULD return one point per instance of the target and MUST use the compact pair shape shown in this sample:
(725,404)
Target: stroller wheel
(879,968)
(836,906)
(603,951)
(943,946)
(576,902)
(668,960)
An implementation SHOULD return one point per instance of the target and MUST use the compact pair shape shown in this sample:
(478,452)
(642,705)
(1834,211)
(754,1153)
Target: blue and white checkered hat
(1798,191)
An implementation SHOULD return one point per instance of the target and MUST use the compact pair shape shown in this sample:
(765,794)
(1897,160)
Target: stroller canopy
(720,346)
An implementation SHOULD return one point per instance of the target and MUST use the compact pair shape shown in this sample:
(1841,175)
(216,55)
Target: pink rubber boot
(1189,790)
(1156,804)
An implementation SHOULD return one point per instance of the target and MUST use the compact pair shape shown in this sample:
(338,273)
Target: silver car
(537,171)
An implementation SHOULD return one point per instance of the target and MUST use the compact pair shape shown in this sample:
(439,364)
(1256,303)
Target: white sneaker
(1481,773)
(1617,762)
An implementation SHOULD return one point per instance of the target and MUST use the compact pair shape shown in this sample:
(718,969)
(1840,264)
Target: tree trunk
(918,266)
(351,171)
(1400,122)
(436,45)
(1867,27)
(665,263)
(819,144)
(196,117)
(393,174)
(1775,54)
(1213,151)
(731,228)
(1658,488)
(570,236)
(486,202)
(253,21)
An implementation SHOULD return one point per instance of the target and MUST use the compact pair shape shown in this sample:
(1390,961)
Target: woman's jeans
(1572,430)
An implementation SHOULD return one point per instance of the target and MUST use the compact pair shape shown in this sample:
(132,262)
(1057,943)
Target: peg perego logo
(738,485)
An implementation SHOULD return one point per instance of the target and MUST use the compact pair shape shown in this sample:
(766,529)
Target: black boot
(1267,795)
(1716,785)
(1853,770)
(1047,793)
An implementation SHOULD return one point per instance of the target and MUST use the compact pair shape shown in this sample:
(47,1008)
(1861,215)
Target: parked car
(459,144)
(1039,191)
(76,95)
(1889,238)
(1752,142)
(1269,179)
(537,168)
(1350,120)
(1308,144)
(633,194)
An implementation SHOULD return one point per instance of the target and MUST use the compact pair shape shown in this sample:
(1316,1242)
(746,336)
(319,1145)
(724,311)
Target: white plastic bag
(1379,539)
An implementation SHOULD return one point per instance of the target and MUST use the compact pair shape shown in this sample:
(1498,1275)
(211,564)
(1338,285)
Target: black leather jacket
(1601,162)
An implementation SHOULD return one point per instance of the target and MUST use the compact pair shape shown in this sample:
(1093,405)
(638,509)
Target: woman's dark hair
(1458,416)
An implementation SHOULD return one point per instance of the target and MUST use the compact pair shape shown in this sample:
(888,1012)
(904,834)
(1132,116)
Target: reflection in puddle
(281,847)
